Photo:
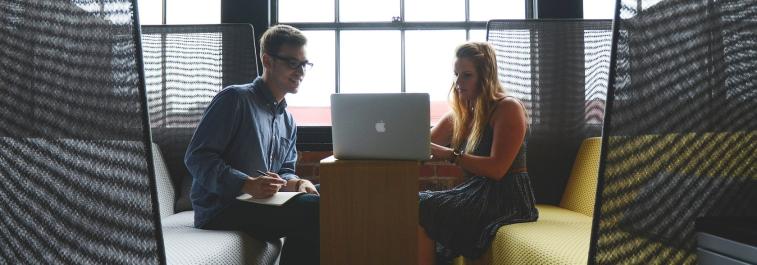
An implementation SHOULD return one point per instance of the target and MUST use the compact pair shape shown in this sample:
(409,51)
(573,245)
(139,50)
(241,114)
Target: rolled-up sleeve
(204,154)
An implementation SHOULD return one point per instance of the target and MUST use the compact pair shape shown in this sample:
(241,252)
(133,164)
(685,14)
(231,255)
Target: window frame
(318,138)
(398,24)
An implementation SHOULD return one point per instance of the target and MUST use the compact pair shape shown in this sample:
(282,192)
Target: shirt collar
(260,88)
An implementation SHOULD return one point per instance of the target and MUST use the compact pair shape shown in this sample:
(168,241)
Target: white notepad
(277,199)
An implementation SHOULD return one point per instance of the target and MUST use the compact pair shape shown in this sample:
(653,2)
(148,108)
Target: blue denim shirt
(242,130)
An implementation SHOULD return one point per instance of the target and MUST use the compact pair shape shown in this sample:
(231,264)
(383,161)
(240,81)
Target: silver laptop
(380,126)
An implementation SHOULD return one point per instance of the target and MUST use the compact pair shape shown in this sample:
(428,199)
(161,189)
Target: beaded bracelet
(455,155)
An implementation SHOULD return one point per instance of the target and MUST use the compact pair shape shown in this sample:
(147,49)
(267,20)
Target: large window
(367,46)
(179,12)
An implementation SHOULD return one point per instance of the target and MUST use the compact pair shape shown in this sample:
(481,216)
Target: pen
(261,173)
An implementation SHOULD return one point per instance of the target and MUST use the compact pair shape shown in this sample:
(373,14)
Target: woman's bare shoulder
(509,108)
(510,100)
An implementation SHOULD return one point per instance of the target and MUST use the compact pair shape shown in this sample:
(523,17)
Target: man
(246,128)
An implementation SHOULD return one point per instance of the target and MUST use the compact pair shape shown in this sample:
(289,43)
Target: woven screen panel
(75,184)
(559,69)
(681,128)
(186,65)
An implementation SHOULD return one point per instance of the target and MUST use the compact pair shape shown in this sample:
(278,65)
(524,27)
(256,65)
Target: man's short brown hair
(281,35)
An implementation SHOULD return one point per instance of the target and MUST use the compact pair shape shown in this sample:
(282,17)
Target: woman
(484,135)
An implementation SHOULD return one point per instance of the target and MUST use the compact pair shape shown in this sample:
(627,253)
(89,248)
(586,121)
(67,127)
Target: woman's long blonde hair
(476,112)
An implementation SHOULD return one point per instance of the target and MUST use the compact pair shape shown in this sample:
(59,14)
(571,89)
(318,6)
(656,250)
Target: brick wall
(434,175)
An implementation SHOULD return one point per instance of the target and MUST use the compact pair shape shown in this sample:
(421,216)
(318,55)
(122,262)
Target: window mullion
(467,11)
(337,63)
(467,20)
(402,60)
(337,52)
(402,46)
(531,10)
(163,19)
(336,11)
(402,10)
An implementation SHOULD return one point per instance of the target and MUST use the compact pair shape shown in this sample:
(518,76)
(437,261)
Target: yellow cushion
(559,236)
(562,236)
(582,185)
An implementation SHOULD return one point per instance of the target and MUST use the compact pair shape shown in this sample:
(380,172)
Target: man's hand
(307,187)
(263,186)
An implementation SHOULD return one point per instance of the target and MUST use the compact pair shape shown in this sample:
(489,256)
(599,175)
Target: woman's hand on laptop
(263,186)
(439,152)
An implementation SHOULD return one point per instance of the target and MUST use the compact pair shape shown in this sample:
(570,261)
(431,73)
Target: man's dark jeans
(297,220)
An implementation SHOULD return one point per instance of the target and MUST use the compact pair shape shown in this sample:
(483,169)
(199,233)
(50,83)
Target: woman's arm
(441,134)
(509,122)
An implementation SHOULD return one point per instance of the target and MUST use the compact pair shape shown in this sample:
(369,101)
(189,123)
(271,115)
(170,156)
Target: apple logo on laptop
(381,126)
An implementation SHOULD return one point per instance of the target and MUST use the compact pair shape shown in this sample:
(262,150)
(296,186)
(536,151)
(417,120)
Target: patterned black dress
(464,220)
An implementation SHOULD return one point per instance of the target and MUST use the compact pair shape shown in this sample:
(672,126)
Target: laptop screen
(381,126)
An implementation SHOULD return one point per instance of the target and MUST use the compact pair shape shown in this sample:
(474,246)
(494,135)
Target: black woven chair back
(680,135)
(76,178)
(559,69)
(185,67)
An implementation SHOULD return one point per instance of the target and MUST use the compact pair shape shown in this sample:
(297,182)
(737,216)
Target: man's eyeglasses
(294,63)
